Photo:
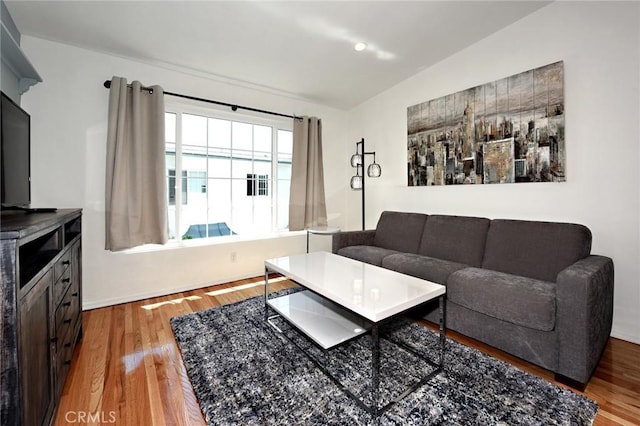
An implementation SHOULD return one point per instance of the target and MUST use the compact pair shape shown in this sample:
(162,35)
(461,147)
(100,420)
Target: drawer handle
(75,294)
(67,345)
(67,321)
(54,340)
(66,304)
(66,280)
(67,362)
(66,262)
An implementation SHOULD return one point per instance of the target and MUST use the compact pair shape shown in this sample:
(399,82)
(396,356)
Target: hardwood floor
(127,370)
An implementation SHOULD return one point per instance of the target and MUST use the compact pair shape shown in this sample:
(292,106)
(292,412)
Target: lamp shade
(356,182)
(374,170)
(356,160)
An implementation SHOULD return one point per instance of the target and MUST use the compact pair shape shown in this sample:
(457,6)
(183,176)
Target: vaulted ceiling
(301,48)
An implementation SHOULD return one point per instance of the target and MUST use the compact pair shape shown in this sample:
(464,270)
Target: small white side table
(321,230)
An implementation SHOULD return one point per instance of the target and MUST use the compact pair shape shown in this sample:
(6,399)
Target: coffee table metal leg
(267,318)
(443,328)
(266,292)
(375,369)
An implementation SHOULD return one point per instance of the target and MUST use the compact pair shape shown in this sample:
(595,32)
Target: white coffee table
(345,298)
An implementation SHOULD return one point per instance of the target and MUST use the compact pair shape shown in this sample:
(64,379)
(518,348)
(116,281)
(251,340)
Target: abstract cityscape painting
(506,131)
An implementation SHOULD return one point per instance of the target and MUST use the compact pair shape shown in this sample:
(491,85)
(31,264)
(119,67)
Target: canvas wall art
(506,131)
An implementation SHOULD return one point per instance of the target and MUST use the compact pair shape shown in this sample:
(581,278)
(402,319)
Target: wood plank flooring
(127,370)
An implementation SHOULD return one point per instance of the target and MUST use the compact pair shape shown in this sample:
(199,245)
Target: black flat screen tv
(15,147)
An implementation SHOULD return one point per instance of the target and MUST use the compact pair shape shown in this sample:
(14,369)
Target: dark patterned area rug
(245,373)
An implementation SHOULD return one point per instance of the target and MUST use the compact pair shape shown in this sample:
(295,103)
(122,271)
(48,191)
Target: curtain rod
(233,107)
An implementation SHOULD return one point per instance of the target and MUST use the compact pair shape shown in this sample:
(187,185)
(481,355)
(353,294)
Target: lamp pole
(361,143)
(358,181)
(364,153)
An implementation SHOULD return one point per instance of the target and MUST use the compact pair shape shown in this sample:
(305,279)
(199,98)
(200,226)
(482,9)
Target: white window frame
(276,123)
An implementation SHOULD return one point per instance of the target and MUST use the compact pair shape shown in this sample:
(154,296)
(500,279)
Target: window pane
(282,219)
(197,182)
(262,167)
(262,143)
(242,140)
(195,166)
(285,143)
(172,222)
(192,215)
(285,147)
(219,166)
(242,208)
(220,201)
(170,161)
(194,130)
(172,187)
(262,214)
(169,127)
(284,171)
(194,163)
(241,167)
(219,134)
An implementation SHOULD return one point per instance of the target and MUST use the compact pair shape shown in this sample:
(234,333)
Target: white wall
(69,122)
(599,44)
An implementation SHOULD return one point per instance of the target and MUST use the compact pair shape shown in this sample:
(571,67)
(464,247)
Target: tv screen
(15,175)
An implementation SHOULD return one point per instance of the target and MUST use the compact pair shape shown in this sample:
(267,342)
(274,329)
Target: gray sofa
(529,288)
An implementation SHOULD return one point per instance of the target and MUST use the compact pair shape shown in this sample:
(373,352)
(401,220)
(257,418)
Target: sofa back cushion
(532,249)
(399,231)
(456,238)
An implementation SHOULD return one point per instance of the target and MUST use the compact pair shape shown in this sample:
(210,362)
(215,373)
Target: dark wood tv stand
(40,311)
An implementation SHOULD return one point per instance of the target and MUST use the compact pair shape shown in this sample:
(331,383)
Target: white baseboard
(95,304)
(626,336)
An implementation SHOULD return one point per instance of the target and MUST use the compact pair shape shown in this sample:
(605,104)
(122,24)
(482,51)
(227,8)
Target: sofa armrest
(352,238)
(584,297)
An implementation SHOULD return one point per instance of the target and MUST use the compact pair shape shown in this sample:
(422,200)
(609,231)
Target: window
(234,174)
(257,184)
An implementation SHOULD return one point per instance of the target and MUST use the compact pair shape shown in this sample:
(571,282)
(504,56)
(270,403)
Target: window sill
(213,241)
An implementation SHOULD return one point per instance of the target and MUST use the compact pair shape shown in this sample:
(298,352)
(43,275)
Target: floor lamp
(373,171)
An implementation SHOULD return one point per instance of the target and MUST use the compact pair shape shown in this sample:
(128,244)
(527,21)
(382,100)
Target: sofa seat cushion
(519,300)
(367,254)
(427,268)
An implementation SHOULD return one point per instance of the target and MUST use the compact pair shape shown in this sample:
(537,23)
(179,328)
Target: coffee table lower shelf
(320,320)
(328,325)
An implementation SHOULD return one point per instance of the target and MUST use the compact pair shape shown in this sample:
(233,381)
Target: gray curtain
(136,193)
(307,206)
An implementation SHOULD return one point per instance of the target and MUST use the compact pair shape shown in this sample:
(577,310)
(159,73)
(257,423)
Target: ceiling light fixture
(360,46)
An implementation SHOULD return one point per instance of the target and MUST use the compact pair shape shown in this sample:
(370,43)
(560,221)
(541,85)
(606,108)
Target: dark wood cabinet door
(35,354)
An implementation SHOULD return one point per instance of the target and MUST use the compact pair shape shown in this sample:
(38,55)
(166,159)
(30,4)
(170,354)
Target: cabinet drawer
(63,316)
(62,265)
(63,361)
(61,285)
(65,351)
(67,313)
(74,311)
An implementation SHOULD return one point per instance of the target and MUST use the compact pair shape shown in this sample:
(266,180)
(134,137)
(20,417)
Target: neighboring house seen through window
(234,174)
